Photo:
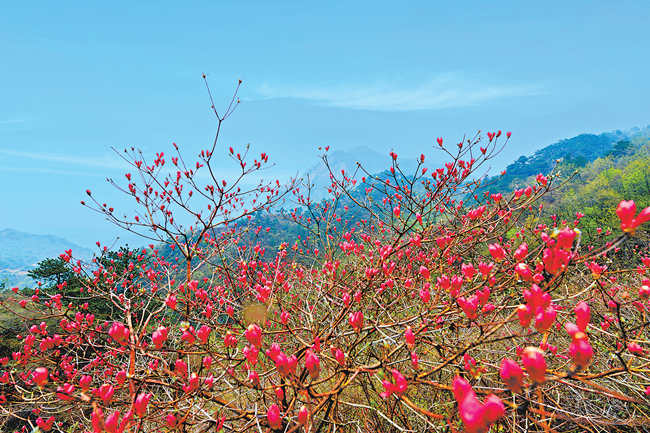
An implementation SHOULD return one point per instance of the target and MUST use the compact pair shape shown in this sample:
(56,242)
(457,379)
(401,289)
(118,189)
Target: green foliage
(52,272)
(575,152)
(596,189)
(55,275)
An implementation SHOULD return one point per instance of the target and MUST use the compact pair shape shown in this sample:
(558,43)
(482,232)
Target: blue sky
(79,77)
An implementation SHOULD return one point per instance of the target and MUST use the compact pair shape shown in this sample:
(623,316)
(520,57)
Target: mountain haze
(20,251)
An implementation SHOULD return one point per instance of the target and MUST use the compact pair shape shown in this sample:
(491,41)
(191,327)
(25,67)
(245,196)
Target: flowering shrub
(409,305)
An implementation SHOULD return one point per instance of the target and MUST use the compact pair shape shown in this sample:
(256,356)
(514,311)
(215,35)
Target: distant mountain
(373,162)
(20,251)
(579,151)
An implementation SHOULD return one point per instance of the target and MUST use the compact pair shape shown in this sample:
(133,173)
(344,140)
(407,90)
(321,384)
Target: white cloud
(111,162)
(444,91)
(39,170)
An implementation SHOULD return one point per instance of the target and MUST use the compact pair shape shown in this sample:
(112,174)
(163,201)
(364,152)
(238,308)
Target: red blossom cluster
(405,302)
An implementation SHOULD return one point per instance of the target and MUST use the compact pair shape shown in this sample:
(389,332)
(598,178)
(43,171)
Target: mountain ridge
(20,251)
(578,150)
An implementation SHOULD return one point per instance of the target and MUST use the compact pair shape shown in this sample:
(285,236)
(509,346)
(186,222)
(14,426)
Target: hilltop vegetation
(577,151)
(596,188)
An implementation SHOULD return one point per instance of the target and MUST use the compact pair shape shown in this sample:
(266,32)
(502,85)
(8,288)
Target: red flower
(626,212)
(356,320)
(40,376)
(497,252)
(159,336)
(512,374)
(583,315)
(254,335)
(43,424)
(303,415)
(204,333)
(141,402)
(409,337)
(312,364)
(580,351)
(534,363)
(274,417)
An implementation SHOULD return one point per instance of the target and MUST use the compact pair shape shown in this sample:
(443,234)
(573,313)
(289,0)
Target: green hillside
(578,151)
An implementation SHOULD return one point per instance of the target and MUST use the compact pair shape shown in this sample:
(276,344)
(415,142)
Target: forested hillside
(577,151)
(596,188)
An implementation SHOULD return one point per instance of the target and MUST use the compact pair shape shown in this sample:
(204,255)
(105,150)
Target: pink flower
(229,340)
(468,271)
(141,402)
(534,363)
(583,315)
(565,238)
(188,335)
(274,417)
(626,211)
(356,321)
(398,386)
(303,415)
(65,392)
(251,352)
(635,348)
(112,422)
(524,271)
(580,351)
(571,328)
(409,337)
(469,306)
(493,409)
(415,361)
(119,332)
(512,375)
(545,318)
(85,381)
(254,335)
(525,314)
(106,392)
(644,291)
(170,419)
(40,376)
(120,377)
(338,355)
(97,420)
(159,337)
(180,368)
(312,364)
(425,295)
(171,301)
(497,252)
(43,424)
(477,417)
(204,333)
(192,384)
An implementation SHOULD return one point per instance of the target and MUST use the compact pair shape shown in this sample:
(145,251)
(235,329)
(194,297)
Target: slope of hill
(20,251)
(596,188)
(578,151)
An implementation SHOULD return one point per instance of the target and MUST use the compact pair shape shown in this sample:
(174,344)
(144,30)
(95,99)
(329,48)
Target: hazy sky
(79,77)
